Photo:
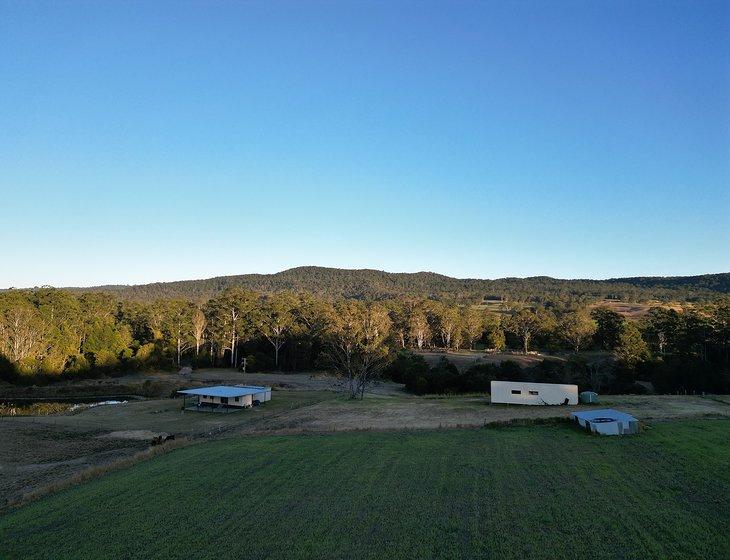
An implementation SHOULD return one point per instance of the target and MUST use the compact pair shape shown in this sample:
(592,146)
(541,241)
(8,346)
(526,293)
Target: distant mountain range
(366,283)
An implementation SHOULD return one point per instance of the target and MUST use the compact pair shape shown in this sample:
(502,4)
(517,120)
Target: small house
(526,392)
(222,397)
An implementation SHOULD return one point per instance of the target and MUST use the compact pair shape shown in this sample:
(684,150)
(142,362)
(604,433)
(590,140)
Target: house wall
(545,393)
(244,400)
(263,396)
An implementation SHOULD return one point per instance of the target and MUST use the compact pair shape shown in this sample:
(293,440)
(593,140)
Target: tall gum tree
(577,328)
(177,326)
(526,323)
(357,347)
(419,328)
(277,320)
(473,322)
(231,320)
(199,326)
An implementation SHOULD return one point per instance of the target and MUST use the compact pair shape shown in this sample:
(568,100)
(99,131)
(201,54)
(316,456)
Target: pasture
(42,451)
(548,491)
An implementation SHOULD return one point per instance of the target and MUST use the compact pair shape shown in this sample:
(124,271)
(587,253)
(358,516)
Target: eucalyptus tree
(494,332)
(608,329)
(314,316)
(177,326)
(136,316)
(473,324)
(720,319)
(577,328)
(663,328)
(400,313)
(447,322)
(526,323)
(199,326)
(98,311)
(695,334)
(420,330)
(357,343)
(23,333)
(60,313)
(277,320)
(232,317)
(631,347)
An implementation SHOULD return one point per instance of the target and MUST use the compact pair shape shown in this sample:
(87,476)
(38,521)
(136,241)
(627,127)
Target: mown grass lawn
(546,491)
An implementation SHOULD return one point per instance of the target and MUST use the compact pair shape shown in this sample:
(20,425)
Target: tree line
(59,333)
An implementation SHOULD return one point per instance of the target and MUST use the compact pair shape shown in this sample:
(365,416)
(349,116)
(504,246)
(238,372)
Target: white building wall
(244,400)
(524,392)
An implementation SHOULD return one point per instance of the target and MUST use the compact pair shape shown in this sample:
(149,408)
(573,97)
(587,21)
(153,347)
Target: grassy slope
(521,492)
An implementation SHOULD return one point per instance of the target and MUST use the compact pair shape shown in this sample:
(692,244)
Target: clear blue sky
(146,141)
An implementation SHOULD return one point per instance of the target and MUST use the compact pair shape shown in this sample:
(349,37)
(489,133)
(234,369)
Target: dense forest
(48,333)
(375,284)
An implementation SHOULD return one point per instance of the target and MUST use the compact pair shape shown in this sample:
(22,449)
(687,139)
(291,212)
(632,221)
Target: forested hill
(377,284)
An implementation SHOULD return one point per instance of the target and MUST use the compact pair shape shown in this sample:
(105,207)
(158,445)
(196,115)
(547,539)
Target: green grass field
(546,491)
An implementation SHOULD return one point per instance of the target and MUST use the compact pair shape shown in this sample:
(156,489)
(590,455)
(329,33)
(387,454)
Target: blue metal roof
(591,415)
(225,391)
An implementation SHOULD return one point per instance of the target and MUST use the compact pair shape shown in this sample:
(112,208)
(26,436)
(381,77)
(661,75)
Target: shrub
(406,368)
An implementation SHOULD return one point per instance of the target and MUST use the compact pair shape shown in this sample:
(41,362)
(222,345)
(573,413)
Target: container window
(534,393)
(516,392)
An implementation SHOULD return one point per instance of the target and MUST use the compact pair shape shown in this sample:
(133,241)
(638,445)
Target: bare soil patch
(33,455)
(139,435)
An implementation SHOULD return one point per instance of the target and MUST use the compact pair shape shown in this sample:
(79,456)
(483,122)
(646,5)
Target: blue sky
(152,141)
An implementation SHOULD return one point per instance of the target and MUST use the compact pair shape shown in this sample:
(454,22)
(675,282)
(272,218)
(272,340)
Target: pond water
(46,407)
(24,401)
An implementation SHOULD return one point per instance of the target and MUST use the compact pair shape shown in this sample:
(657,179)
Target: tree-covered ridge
(377,284)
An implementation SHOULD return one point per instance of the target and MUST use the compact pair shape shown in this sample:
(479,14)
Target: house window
(516,392)
(534,393)
(237,399)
